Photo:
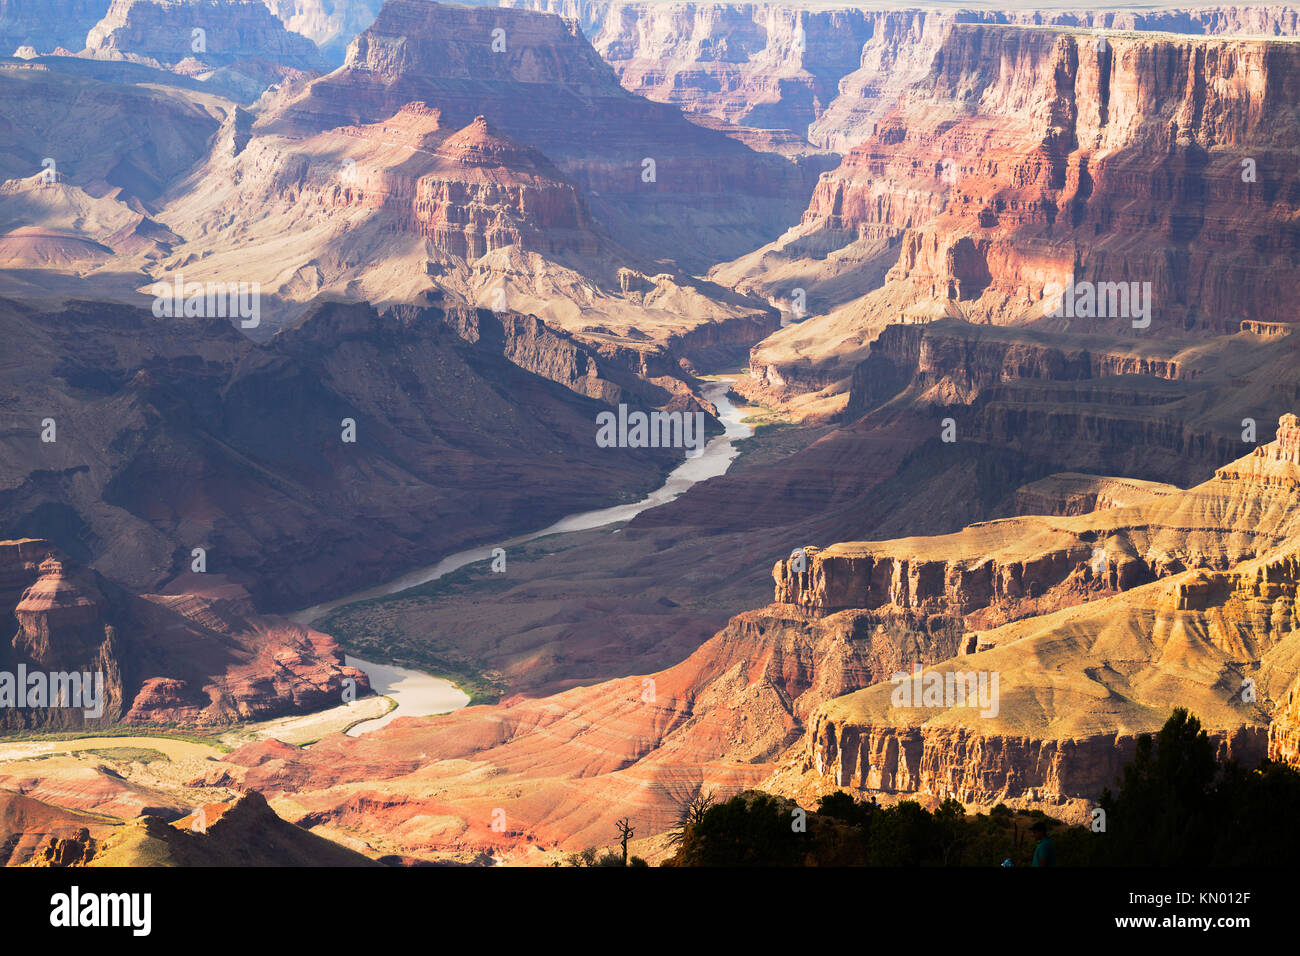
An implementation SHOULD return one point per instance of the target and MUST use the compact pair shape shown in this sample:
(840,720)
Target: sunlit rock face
(1093,624)
(1117,185)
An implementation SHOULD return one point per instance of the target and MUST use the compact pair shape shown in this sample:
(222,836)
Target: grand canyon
(554,432)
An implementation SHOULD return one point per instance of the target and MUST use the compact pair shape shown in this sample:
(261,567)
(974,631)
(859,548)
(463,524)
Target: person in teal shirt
(1045,852)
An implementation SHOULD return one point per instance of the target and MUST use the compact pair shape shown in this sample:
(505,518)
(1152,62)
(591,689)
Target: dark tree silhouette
(625,833)
(692,812)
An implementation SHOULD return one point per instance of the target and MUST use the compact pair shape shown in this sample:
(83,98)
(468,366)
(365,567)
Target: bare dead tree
(625,833)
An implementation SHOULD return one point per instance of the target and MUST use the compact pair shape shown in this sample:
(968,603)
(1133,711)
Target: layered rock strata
(1094,627)
(1034,165)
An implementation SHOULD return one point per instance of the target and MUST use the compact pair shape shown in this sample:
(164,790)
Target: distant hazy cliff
(829,71)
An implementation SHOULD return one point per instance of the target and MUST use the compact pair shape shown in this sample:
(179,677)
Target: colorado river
(418,694)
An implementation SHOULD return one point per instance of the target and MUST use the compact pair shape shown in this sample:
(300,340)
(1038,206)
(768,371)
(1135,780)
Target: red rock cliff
(1026,156)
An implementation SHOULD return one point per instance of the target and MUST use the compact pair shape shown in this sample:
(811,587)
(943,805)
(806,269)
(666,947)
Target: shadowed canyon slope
(180,433)
(199,657)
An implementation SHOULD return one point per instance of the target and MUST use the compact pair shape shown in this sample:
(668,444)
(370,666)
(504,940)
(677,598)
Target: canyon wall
(46,25)
(1082,619)
(1033,167)
(824,72)
(1157,411)
(1250,615)
(841,581)
(829,72)
(988,769)
(644,378)
(1164,532)
(163,31)
(969,360)
(761,65)
(330,24)
(1284,731)
(1028,156)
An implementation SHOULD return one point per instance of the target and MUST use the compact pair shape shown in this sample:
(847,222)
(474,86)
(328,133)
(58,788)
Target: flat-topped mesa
(1071,493)
(868,577)
(1031,564)
(169,33)
(417,125)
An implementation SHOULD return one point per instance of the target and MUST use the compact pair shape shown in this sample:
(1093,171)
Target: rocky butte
(236,46)
(704,197)
(183,658)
